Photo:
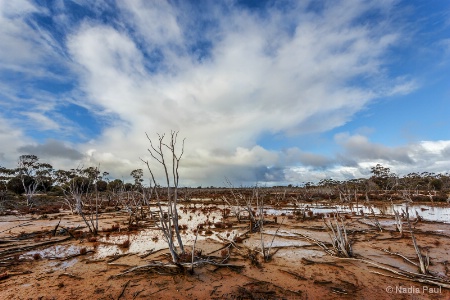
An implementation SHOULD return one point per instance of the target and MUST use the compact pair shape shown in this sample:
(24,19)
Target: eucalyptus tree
(32,174)
(77,185)
(137,176)
(5,175)
(383,177)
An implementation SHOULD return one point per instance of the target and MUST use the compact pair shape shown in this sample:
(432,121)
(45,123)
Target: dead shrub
(224,253)
(114,227)
(253,256)
(219,225)
(238,240)
(125,244)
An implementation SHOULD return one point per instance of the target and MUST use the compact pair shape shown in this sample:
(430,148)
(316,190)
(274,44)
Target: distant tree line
(33,177)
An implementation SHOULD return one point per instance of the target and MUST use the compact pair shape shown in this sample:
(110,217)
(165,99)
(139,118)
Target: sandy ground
(34,264)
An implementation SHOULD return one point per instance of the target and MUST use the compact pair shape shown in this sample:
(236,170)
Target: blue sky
(268,92)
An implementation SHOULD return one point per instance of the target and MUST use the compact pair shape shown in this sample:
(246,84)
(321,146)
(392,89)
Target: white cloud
(258,78)
(44,122)
(11,139)
(17,48)
(359,147)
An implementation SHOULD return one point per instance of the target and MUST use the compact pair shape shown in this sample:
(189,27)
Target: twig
(56,227)
(123,289)
(116,257)
(70,275)
(135,294)
(214,289)
(271,243)
(298,276)
(158,291)
(70,233)
(193,251)
(150,252)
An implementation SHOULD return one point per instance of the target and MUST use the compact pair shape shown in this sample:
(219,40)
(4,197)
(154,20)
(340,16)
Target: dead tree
(168,216)
(339,238)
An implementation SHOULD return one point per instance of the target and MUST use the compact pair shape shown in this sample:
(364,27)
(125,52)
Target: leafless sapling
(161,152)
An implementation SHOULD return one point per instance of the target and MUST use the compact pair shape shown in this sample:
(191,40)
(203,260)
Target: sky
(264,92)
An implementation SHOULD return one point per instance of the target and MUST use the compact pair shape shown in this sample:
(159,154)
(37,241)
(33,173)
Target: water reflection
(427,212)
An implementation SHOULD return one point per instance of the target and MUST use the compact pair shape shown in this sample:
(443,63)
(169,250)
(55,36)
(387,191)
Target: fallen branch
(70,275)
(406,274)
(75,255)
(438,283)
(317,242)
(116,257)
(158,291)
(398,254)
(150,252)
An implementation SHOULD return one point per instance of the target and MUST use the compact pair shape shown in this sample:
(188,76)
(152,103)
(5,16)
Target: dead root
(172,269)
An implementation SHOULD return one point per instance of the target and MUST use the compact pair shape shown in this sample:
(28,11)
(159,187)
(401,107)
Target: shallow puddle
(55,252)
(209,219)
(435,213)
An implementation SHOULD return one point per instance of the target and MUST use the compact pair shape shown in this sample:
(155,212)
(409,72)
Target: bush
(420,198)
(15,185)
(56,191)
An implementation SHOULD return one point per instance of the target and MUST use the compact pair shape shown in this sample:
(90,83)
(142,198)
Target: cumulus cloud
(258,77)
(359,147)
(52,149)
